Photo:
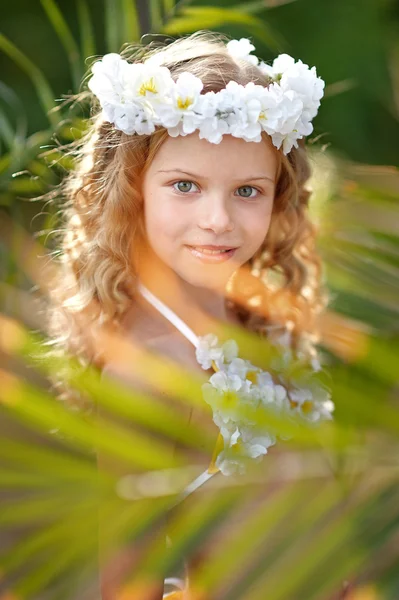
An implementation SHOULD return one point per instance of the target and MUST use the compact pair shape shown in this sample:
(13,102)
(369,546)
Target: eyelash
(242,186)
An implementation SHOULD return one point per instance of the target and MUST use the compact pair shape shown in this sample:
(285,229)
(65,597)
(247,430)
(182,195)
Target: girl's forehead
(233,157)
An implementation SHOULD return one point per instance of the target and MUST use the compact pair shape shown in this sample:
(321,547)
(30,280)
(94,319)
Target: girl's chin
(214,281)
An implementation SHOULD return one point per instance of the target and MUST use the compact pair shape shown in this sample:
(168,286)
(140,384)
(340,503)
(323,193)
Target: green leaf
(137,449)
(6,130)
(114,28)
(87,39)
(168,7)
(13,136)
(44,91)
(5,161)
(246,540)
(64,33)
(26,186)
(131,26)
(155,15)
(194,18)
(6,199)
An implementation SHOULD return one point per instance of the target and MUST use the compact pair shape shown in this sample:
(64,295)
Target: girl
(188,208)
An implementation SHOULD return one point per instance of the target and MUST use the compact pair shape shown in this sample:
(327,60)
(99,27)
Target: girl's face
(200,196)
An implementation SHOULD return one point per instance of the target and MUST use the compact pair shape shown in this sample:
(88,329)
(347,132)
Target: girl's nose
(216,215)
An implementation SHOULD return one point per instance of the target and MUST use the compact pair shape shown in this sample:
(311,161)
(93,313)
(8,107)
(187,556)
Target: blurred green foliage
(320,511)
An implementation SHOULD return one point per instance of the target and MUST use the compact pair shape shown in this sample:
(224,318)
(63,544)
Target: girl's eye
(247,189)
(183,186)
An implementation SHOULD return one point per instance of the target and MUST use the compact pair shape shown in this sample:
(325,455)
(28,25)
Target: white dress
(175,587)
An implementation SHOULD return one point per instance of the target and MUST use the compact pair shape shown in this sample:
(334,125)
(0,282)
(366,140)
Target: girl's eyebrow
(252,178)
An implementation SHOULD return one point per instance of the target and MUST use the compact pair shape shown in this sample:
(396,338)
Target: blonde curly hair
(102,217)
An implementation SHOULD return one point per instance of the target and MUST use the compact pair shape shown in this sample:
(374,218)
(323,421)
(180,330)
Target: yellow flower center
(252,376)
(230,398)
(307,407)
(262,115)
(184,104)
(237,447)
(148,86)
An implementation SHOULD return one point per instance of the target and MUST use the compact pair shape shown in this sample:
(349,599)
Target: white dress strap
(176,583)
(168,314)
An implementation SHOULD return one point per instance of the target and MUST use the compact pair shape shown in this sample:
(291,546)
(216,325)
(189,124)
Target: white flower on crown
(107,80)
(240,111)
(298,77)
(180,116)
(211,127)
(241,49)
(128,93)
(108,83)
(302,84)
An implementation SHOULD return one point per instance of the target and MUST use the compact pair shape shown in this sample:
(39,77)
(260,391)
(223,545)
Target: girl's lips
(213,247)
(211,255)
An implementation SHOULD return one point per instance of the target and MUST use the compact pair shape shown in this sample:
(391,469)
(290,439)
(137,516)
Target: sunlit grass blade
(43,89)
(14,136)
(374,523)
(306,556)
(368,272)
(6,130)
(60,548)
(73,563)
(168,7)
(362,400)
(381,359)
(61,28)
(138,408)
(131,25)
(388,581)
(87,39)
(38,409)
(14,174)
(375,195)
(189,526)
(15,480)
(155,15)
(38,507)
(371,310)
(302,509)
(113,26)
(62,540)
(119,400)
(348,559)
(55,463)
(70,544)
(254,527)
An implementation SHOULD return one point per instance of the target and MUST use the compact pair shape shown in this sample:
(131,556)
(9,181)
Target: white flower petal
(241,49)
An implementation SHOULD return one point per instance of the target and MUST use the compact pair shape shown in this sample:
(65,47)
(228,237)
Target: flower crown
(137,97)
